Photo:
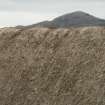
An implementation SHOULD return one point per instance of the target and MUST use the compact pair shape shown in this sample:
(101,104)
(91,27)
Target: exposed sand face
(42,66)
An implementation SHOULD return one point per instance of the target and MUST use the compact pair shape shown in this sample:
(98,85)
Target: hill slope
(75,19)
(42,66)
(78,19)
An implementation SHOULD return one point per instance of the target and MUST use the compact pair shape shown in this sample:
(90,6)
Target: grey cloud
(43,5)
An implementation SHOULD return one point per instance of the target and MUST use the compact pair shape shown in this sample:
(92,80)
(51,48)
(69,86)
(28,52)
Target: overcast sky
(24,12)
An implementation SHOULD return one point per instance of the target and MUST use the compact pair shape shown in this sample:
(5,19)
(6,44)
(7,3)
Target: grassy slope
(43,66)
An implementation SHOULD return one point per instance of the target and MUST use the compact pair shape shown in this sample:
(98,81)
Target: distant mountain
(75,19)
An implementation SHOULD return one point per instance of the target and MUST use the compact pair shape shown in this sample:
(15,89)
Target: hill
(75,19)
(42,66)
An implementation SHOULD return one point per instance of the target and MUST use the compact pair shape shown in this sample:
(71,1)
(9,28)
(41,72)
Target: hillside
(74,19)
(43,66)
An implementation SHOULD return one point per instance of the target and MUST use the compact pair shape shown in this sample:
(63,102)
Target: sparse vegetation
(49,66)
